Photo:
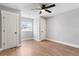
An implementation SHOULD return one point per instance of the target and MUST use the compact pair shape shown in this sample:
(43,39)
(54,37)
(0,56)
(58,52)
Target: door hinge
(3,17)
(4,43)
(3,30)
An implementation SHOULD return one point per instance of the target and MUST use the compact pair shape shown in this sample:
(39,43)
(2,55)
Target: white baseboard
(19,45)
(26,39)
(37,40)
(68,44)
(1,49)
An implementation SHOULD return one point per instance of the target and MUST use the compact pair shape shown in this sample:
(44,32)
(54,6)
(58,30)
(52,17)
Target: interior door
(10,29)
(43,29)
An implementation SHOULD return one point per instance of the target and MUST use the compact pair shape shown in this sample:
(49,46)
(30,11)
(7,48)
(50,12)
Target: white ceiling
(26,8)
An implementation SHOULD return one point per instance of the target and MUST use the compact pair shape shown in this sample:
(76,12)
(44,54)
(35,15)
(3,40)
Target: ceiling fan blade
(53,5)
(40,12)
(48,11)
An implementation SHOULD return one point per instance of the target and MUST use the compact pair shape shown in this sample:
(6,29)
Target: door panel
(43,29)
(10,27)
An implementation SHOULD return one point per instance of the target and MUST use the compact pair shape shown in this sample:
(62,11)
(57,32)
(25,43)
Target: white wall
(64,27)
(26,35)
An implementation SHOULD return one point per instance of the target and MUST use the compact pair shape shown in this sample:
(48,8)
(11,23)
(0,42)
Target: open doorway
(26,28)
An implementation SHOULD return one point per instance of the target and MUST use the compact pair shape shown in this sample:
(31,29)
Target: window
(26,26)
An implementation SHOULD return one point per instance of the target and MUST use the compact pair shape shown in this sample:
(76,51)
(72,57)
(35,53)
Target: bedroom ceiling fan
(44,7)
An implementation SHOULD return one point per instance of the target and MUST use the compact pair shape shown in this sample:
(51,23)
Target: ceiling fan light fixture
(45,8)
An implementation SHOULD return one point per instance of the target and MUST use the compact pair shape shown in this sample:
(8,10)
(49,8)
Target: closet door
(9,29)
(43,29)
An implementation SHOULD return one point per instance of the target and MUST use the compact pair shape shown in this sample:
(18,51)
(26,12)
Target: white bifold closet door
(43,29)
(10,26)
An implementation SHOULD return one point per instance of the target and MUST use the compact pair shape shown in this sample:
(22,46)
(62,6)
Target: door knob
(15,32)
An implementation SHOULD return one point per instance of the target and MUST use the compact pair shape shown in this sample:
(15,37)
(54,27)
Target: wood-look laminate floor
(43,48)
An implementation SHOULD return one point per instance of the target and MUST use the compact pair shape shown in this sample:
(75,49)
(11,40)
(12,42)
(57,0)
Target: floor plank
(43,48)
